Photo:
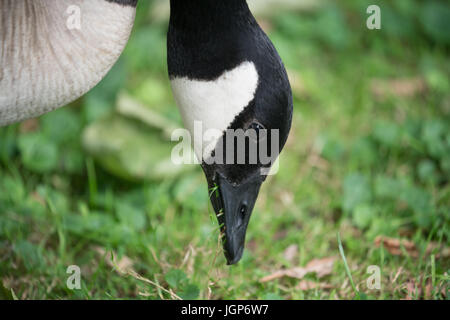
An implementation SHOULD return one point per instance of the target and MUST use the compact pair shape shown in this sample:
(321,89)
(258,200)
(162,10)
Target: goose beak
(233,204)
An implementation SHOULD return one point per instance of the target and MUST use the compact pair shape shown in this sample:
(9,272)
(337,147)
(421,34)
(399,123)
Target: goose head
(235,99)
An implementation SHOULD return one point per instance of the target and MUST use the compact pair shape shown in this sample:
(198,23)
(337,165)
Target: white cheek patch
(214,104)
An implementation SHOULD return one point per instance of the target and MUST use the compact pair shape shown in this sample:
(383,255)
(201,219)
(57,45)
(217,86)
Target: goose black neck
(199,14)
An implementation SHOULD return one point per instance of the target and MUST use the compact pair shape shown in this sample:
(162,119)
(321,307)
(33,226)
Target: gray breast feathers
(54,51)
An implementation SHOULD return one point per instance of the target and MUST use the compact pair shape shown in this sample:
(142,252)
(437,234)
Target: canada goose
(224,71)
(226,74)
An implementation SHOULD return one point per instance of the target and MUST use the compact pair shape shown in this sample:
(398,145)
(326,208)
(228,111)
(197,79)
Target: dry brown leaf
(443,252)
(399,271)
(322,267)
(310,285)
(407,87)
(428,290)
(37,197)
(273,276)
(394,247)
(28,126)
(286,198)
(291,253)
(280,235)
(124,265)
(137,276)
(412,291)
(444,290)
(252,245)
(416,289)
(266,25)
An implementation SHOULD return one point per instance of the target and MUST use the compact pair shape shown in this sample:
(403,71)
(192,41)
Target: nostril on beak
(243,210)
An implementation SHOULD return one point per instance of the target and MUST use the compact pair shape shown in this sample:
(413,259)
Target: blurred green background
(92,184)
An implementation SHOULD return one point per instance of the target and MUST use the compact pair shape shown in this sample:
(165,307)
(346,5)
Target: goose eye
(256,126)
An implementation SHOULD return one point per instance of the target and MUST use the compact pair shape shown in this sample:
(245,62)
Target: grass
(367,157)
(347,269)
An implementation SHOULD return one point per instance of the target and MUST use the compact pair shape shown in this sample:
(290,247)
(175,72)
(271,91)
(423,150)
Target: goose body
(47,60)
(225,75)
